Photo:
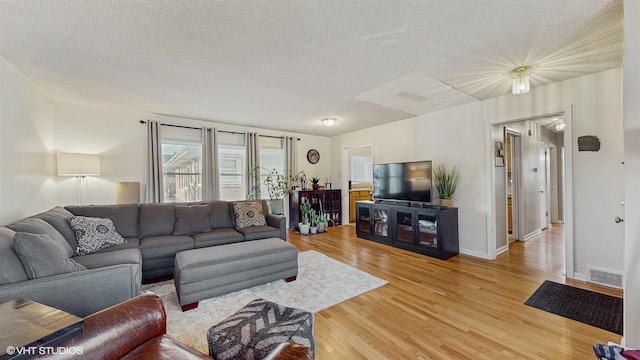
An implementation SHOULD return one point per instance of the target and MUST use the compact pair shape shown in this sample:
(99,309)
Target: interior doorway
(360,176)
(527,194)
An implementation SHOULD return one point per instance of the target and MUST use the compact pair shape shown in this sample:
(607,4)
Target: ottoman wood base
(191,306)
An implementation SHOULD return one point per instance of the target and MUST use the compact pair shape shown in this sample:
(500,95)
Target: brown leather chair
(136,329)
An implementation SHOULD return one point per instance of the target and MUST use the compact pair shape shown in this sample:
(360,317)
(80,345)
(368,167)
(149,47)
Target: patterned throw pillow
(248,213)
(94,234)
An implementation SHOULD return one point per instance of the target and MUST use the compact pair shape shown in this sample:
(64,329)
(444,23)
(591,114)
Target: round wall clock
(313,156)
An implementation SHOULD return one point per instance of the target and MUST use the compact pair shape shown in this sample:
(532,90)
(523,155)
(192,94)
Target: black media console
(426,229)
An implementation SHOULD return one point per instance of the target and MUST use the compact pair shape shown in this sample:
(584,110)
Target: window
(271,159)
(182,172)
(181,164)
(232,160)
(361,169)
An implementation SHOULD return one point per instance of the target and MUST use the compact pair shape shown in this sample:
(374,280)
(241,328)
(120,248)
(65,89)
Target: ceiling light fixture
(329,121)
(560,125)
(520,79)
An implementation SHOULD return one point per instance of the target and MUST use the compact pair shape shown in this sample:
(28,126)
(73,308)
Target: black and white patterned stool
(258,328)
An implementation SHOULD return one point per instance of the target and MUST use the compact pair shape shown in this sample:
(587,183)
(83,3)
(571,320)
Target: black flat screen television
(410,181)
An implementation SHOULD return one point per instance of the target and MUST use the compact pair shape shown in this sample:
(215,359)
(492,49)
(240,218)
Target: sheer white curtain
(253,162)
(154,163)
(210,169)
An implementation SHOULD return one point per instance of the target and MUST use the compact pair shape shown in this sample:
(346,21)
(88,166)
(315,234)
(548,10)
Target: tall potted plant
(278,187)
(446,182)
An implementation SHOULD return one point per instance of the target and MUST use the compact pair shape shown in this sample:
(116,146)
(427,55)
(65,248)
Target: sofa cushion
(132,243)
(248,213)
(124,217)
(124,256)
(219,236)
(157,247)
(191,219)
(57,217)
(156,220)
(34,225)
(94,234)
(259,232)
(220,215)
(41,256)
(11,269)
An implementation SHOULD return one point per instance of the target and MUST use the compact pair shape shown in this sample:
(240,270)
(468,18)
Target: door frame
(516,191)
(346,169)
(568,181)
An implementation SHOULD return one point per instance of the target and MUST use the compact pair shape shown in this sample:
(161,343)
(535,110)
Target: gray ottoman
(258,328)
(209,272)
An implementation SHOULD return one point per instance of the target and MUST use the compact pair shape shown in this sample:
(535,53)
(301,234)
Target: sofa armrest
(114,332)
(79,293)
(280,222)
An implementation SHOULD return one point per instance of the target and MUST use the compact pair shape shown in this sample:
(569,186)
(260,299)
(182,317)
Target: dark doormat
(600,310)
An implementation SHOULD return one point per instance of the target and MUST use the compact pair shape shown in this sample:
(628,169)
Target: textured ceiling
(286,64)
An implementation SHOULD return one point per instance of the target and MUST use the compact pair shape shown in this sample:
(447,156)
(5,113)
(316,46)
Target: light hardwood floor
(461,308)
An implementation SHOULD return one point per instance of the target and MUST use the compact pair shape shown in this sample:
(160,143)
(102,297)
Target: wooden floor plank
(461,308)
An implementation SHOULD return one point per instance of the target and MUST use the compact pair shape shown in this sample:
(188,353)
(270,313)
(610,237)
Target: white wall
(119,138)
(27,162)
(632,172)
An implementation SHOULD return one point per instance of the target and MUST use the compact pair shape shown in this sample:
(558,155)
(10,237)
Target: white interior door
(553,180)
(543,186)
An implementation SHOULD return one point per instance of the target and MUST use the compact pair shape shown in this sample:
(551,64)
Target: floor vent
(605,277)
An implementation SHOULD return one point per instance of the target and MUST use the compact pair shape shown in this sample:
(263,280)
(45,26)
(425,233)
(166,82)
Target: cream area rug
(322,282)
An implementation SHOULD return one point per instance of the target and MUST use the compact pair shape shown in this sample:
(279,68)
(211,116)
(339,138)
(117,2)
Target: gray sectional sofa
(155,233)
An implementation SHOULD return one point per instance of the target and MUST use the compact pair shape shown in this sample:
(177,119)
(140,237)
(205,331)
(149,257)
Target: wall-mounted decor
(499,153)
(313,156)
(588,143)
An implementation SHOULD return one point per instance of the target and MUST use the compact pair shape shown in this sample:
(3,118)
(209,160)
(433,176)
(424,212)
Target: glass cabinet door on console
(405,230)
(427,234)
(381,219)
(364,220)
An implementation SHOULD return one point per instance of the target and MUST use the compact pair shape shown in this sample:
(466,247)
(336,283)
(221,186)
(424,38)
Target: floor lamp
(80,166)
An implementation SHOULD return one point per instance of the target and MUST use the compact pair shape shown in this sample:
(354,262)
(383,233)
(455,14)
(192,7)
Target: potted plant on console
(315,183)
(305,210)
(446,182)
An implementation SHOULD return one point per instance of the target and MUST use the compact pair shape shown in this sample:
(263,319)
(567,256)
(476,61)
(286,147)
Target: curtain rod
(224,131)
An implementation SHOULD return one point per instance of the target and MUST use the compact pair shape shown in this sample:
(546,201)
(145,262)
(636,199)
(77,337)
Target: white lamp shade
(128,192)
(78,164)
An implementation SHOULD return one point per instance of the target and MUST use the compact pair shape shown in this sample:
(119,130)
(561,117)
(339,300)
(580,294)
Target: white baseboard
(502,249)
(532,234)
(579,276)
(474,253)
